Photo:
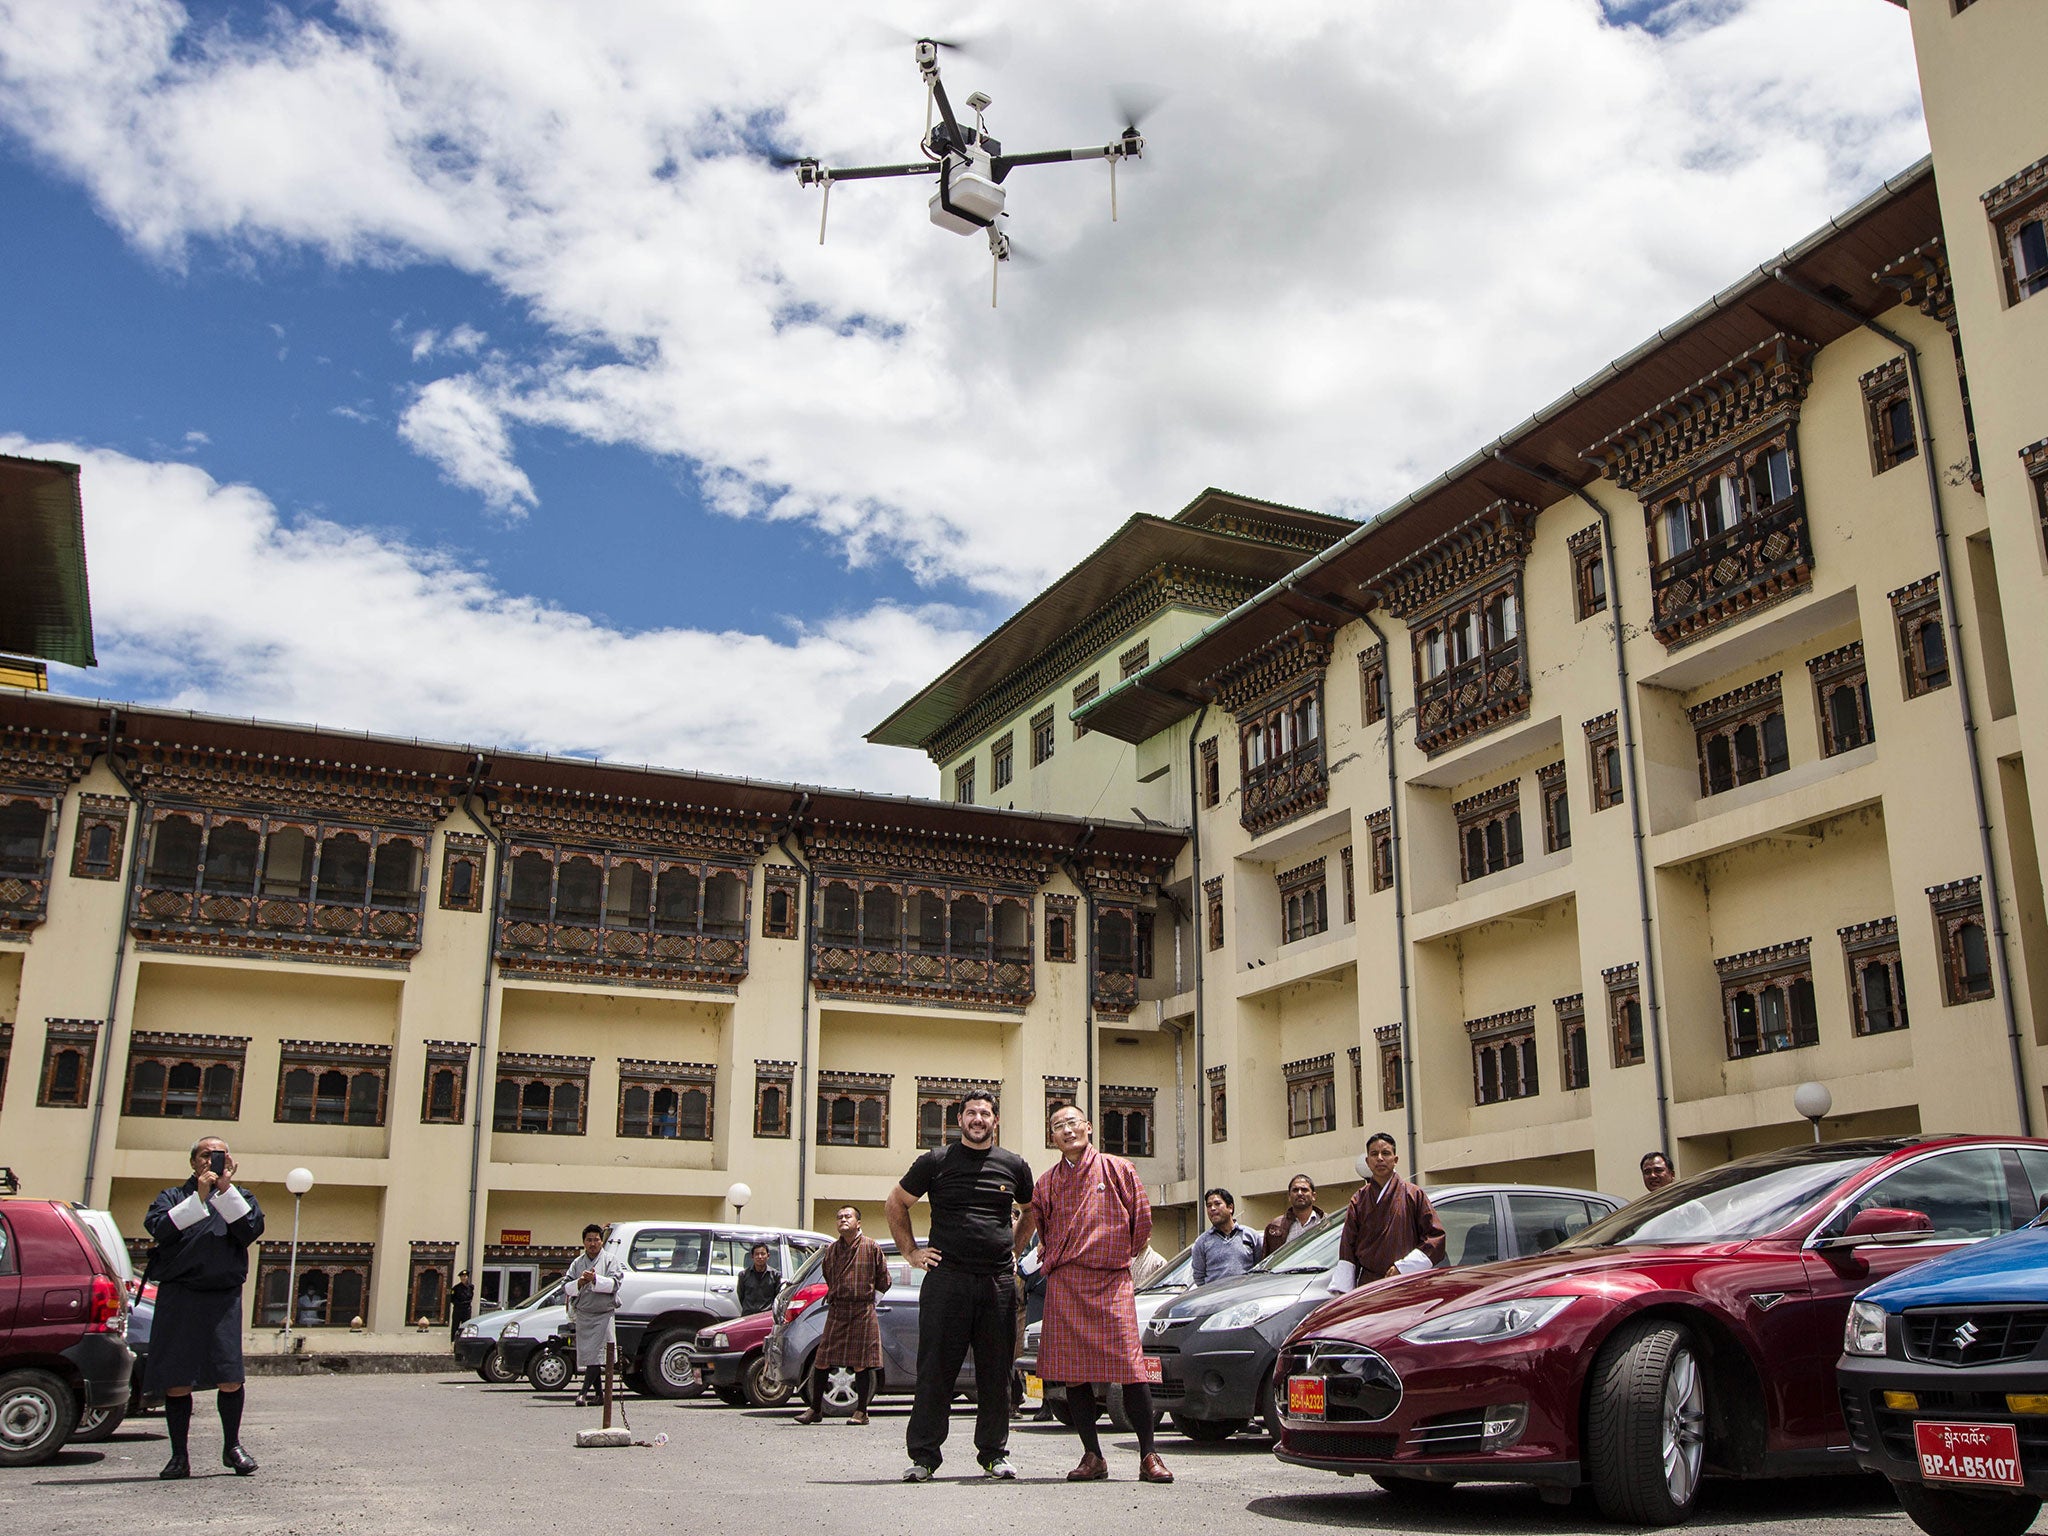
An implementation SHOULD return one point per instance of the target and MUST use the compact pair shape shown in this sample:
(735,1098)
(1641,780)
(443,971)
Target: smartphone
(219,1163)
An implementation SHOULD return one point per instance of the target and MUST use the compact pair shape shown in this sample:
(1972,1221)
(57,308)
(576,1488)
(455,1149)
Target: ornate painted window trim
(1058,1091)
(548,1095)
(1275,693)
(622,914)
(1924,661)
(963,784)
(1877,977)
(1379,832)
(1085,693)
(1504,1056)
(1002,761)
(865,1096)
(464,858)
(1624,1015)
(1212,775)
(175,1076)
(2018,210)
(922,940)
(333,1282)
(1044,736)
(429,1278)
(1060,928)
(322,1082)
(1212,908)
(2034,459)
(774,1085)
(70,1047)
(1841,695)
(1393,1075)
(1574,1066)
(1134,660)
(1489,831)
(1739,735)
(1372,683)
(782,901)
(1963,940)
(28,824)
(1356,1054)
(1589,572)
(1350,885)
(1304,901)
(1219,1104)
(100,837)
(6,1057)
(1767,999)
(667,1100)
(1311,1095)
(1603,761)
(1123,953)
(447,1060)
(1557,807)
(1129,1115)
(938,1107)
(1888,416)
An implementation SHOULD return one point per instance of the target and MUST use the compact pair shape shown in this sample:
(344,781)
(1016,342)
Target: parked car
(96,1423)
(1695,1331)
(732,1360)
(1162,1290)
(1944,1383)
(1217,1344)
(476,1344)
(800,1325)
(63,1327)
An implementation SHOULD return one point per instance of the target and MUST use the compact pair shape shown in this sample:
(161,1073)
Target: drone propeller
(1135,103)
(985,45)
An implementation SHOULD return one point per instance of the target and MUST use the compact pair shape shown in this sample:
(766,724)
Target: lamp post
(1813,1101)
(298,1181)
(739,1195)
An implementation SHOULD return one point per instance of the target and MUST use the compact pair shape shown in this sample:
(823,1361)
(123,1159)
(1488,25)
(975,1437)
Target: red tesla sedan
(1694,1331)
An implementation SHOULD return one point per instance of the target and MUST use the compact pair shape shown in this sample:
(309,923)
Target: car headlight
(469,1330)
(1245,1314)
(718,1341)
(1488,1324)
(511,1332)
(1863,1333)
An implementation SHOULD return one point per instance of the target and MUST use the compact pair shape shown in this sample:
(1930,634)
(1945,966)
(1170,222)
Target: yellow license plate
(1305,1397)
(1034,1389)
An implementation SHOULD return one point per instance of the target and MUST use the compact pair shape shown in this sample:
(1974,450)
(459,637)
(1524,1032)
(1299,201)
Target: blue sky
(455,369)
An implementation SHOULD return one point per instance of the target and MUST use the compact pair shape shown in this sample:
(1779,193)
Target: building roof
(1838,260)
(1218,531)
(44,609)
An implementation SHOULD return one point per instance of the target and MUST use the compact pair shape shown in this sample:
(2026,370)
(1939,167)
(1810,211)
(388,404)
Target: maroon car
(1694,1331)
(63,1326)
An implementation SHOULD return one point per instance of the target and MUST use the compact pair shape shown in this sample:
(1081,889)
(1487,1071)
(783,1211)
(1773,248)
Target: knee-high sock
(866,1389)
(230,1405)
(1080,1416)
(593,1380)
(814,1390)
(178,1419)
(1138,1408)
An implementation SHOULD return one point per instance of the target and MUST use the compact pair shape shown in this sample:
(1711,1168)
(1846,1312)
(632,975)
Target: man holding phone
(202,1230)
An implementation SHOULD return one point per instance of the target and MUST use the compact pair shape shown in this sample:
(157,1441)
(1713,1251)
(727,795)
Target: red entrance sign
(1969,1453)
(1305,1397)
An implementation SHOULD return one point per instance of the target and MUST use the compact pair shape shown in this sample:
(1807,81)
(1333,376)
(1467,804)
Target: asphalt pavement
(447,1453)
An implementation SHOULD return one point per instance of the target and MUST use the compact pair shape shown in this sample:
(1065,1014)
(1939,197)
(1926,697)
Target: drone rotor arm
(870,172)
(1122,149)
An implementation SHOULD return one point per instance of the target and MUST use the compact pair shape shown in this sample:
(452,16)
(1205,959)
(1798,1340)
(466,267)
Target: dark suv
(63,1329)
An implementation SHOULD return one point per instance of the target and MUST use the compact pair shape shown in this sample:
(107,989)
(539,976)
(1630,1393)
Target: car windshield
(1178,1274)
(1309,1254)
(547,1296)
(1745,1199)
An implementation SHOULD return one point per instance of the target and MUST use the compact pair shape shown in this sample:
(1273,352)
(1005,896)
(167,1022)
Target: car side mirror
(1880,1224)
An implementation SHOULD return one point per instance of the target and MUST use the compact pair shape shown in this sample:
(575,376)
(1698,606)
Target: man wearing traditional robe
(1092,1216)
(1302,1213)
(591,1288)
(1390,1228)
(856,1271)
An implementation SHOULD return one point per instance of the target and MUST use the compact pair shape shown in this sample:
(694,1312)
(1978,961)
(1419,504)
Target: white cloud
(1366,236)
(347,629)
(465,340)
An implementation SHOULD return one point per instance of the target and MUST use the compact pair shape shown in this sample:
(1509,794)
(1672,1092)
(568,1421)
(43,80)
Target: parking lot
(435,1453)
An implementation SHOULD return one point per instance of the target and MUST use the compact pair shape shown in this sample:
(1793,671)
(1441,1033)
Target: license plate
(1305,1397)
(1155,1368)
(1034,1389)
(1969,1453)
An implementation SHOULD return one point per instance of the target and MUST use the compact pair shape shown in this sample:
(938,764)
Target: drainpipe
(1201,947)
(473,1253)
(1400,906)
(1067,866)
(1993,896)
(99,1097)
(1653,993)
(800,1109)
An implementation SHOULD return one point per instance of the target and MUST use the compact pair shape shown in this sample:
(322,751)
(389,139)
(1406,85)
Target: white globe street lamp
(739,1195)
(1813,1101)
(298,1181)
(1363,1164)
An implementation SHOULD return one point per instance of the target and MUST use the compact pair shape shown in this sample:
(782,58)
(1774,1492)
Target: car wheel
(96,1424)
(668,1367)
(37,1412)
(1269,1406)
(764,1388)
(549,1370)
(1419,1489)
(1207,1430)
(842,1390)
(1952,1512)
(492,1368)
(1647,1427)
(1111,1397)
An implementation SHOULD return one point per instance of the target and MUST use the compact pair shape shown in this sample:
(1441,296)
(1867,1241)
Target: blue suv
(1944,1383)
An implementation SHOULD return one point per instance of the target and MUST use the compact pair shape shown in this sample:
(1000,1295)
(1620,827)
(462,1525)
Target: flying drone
(971,165)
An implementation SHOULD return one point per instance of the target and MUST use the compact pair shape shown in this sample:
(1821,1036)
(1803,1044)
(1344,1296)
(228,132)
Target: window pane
(1471,1232)
(970,924)
(181,1090)
(841,922)
(626,891)
(365,1099)
(145,1089)
(577,884)
(533,878)
(1544,1221)
(568,1109)
(1963,1193)
(1976,957)
(287,863)
(881,917)
(441,1097)
(346,1304)
(298,1094)
(397,873)
(231,857)
(724,901)
(174,851)
(676,899)
(330,1098)
(344,869)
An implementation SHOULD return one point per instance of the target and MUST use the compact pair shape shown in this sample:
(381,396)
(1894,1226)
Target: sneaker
(918,1472)
(1001,1468)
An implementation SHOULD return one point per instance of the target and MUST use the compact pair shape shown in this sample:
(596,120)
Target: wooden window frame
(1357,1055)
(1590,576)
(1002,761)
(446,1056)
(1044,737)
(858,1088)
(1494,818)
(1304,901)
(1280,762)
(1311,1095)
(59,1036)
(1603,762)
(1212,775)
(1379,832)
(1120,1103)
(2034,459)
(169,1051)
(783,882)
(1841,673)
(1868,948)
(1504,1057)
(1916,612)
(437,1259)
(463,849)
(1134,660)
(873,938)
(1470,666)
(1575,1063)
(556,1072)
(1372,683)
(657,1077)
(1393,1071)
(1626,1034)
(963,784)
(1755,977)
(6,1058)
(2016,207)
(1212,909)
(1552,790)
(1957,906)
(1085,693)
(944,1094)
(1060,1090)
(779,1076)
(25,880)
(1219,1105)
(108,813)
(1885,388)
(1350,885)
(1061,919)
(328,1259)
(1722,720)
(350,1061)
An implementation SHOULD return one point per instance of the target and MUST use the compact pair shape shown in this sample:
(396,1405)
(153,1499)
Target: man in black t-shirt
(969,1297)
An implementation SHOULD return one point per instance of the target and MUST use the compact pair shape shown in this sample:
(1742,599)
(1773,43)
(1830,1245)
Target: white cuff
(1343,1277)
(1414,1262)
(232,1204)
(602,1284)
(188,1212)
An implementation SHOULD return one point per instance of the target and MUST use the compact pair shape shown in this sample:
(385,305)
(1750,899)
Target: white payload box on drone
(975,200)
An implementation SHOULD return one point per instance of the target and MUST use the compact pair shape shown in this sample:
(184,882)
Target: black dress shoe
(176,1467)
(243,1463)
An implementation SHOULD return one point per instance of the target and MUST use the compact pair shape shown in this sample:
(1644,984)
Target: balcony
(1474,696)
(1284,787)
(1758,561)
(942,944)
(1002,978)
(377,927)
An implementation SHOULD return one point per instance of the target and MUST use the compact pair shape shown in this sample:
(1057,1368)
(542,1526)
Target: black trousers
(958,1312)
